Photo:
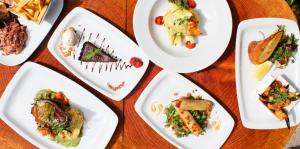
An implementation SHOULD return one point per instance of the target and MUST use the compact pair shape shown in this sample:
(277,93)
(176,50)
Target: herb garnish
(174,120)
(286,48)
(180,3)
(92,53)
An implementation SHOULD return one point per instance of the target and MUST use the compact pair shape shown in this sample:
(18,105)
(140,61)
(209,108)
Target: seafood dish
(279,49)
(278,97)
(188,115)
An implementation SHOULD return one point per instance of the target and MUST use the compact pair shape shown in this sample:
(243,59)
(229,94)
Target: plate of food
(183,35)
(265,48)
(183,113)
(98,53)
(23,26)
(41,106)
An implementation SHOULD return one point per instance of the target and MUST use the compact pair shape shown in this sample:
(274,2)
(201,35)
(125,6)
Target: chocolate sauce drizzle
(109,66)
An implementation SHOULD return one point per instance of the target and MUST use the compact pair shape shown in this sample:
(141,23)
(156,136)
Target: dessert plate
(16,102)
(168,86)
(215,21)
(250,30)
(114,79)
(36,34)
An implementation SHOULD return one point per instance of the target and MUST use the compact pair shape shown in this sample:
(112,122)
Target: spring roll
(188,120)
(201,105)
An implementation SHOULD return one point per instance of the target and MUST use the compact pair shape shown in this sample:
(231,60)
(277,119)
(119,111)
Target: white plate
(36,34)
(95,29)
(248,31)
(215,20)
(162,89)
(16,102)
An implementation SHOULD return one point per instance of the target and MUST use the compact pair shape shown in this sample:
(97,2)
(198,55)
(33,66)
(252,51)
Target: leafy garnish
(286,48)
(92,53)
(180,3)
(174,120)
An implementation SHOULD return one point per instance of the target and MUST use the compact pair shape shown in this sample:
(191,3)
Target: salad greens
(285,50)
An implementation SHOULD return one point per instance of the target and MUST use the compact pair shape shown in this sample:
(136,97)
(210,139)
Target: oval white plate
(94,29)
(16,102)
(162,89)
(215,21)
(36,34)
(249,105)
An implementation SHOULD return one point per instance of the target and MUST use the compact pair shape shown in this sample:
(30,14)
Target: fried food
(33,10)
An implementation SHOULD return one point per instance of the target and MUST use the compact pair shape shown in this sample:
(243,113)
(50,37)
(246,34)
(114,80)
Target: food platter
(247,88)
(100,75)
(36,34)
(16,101)
(215,21)
(180,86)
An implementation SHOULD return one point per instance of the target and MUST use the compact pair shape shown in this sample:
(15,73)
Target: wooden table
(218,80)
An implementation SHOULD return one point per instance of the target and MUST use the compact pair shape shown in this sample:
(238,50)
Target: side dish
(33,10)
(56,119)
(13,35)
(181,21)
(277,97)
(279,48)
(188,115)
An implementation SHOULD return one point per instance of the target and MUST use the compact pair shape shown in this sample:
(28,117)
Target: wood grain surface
(218,80)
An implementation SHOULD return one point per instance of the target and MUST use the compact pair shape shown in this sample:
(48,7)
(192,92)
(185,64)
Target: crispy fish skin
(201,105)
(188,120)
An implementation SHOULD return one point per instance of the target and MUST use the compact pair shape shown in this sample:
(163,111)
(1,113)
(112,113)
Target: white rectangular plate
(36,34)
(163,89)
(249,105)
(94,29)
(15,107)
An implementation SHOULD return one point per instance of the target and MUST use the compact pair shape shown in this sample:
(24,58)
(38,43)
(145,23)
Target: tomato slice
(190,45)
(159,20)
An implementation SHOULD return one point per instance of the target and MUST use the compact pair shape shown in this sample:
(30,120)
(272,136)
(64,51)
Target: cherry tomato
(136,62)
(159,20)
(59,95)
(190,45)
(44,131)
(66,101)
(192,4)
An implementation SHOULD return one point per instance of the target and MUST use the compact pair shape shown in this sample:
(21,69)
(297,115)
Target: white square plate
(15,107)
(36,34)
(248,31)
(163,89)
(94,29)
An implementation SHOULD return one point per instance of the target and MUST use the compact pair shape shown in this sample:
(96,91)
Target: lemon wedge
(261,70)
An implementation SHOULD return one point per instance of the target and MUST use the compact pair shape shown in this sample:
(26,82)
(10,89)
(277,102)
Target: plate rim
(12,85)
(20,60)
(242,25)
(51,47)
(141,99)
(168,66)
